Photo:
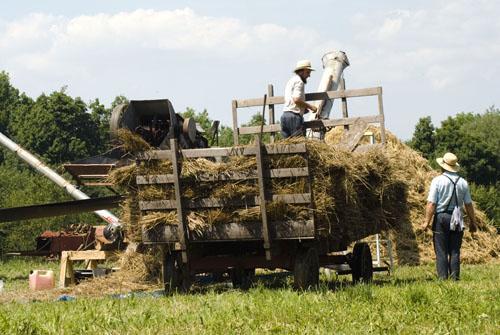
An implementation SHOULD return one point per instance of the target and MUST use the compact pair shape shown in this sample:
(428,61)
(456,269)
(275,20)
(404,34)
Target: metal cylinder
(57,179)
(334,63)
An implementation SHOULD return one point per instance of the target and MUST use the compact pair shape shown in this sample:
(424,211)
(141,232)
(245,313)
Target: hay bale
(412,245)
(356,195)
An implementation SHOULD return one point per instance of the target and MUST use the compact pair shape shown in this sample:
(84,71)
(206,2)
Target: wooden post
(236,140)
(178,200)
(64,269)
(270,93)
(345,114)
(262,194)
(382,121)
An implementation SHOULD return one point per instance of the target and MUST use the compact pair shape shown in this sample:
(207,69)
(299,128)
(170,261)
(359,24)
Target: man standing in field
(448,191)
(292,120)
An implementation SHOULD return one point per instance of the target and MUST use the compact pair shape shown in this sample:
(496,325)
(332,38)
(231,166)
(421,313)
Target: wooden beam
(270,149)
(274,173)
(277,100)
(314,124)
(345,114)
(382,118)
(270,93)
(234,107)
(233,231)
(263,198)
(178,200)
(83,255)
(155,179)
(299,198)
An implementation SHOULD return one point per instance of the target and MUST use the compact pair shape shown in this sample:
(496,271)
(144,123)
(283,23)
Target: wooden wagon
(240,247)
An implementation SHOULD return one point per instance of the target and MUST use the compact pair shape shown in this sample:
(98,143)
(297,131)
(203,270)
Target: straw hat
(449,162)
(303,64)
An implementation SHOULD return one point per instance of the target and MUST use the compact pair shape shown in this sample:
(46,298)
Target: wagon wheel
(175,276)
(362,266)
(242,278)
(306,269)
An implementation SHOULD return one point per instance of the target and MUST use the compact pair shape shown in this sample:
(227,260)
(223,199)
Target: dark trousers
(447,247)
(292,124)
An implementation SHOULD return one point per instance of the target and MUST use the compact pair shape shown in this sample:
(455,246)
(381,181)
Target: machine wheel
(242,278)
(175,275)
(306,269)
(361,265)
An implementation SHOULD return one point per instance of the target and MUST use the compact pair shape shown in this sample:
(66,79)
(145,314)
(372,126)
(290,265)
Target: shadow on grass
(284,280)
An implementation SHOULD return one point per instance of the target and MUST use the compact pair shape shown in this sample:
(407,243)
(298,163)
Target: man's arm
(472,217)
(302,104)
(429,213)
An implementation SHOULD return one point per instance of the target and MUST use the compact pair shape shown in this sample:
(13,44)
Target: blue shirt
(441,192)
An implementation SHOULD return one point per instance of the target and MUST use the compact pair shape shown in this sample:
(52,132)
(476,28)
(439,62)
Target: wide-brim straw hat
(449,162)
(303,64)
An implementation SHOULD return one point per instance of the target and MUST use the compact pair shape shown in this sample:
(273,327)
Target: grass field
(410,301)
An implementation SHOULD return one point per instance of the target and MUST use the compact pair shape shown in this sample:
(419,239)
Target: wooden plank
(250,175)
(345,114)
(234,231)
(259,102)
(355,93)
(299,198)
(351,137)
(155,179)
(270,93)
(87,255)
(236,134)
(270,149)
(277,100)
(93,176)
(178,200)
(382,118)
(63,270)
(314,124)
(341,122)
(263,200)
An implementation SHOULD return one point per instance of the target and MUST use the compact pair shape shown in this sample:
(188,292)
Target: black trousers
(292,124)
(447,245)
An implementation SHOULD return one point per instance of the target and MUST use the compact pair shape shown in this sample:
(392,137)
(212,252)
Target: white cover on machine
(334,63)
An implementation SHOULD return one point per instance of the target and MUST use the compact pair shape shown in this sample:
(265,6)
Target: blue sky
(433,58)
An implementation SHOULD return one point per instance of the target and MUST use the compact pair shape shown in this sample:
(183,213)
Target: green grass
(410,301)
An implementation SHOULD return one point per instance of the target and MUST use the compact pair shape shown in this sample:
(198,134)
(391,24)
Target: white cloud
(51,40)
(440,42)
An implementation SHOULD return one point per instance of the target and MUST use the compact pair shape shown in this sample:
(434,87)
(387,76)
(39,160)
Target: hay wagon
(301,245)
(298,245)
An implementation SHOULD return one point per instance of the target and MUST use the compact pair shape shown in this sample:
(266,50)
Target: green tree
(423,139)
(255,121)
(205,122)
(9,99)
(22,186)
(56,127)
(101,115)
(119,99)
(475,139)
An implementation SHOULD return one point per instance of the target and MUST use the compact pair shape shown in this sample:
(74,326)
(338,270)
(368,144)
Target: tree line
(59,128)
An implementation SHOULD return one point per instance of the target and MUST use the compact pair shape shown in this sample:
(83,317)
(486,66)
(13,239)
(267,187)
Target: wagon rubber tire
(242,278)
(174,276)
(306,269)
(361,265)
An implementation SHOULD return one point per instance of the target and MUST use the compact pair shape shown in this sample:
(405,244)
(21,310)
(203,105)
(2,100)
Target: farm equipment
(298,245)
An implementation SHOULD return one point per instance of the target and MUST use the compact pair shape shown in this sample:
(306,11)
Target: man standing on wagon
(448,191)
(292,120)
